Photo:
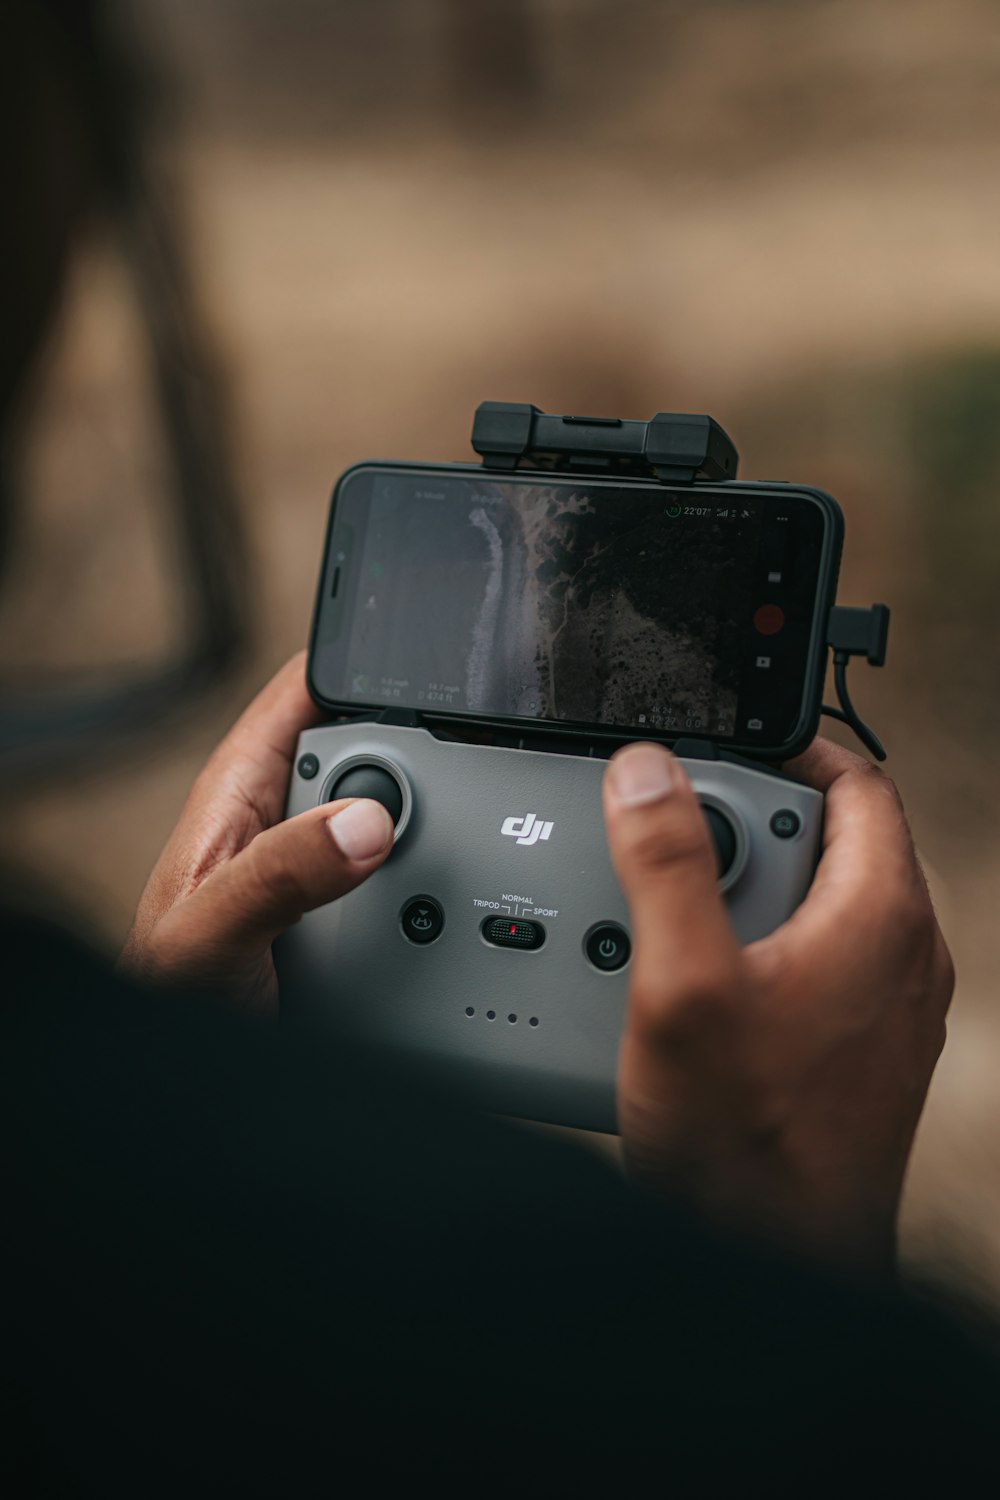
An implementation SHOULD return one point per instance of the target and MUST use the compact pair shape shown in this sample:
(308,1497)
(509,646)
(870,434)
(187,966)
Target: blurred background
(356,219)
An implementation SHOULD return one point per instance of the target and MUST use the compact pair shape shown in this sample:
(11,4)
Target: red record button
(769,619)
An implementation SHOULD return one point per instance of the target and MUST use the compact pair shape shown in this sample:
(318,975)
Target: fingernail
(362,830)
(642,773)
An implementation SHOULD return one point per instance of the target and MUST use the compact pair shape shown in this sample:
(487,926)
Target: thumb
(284,872)
(663,856)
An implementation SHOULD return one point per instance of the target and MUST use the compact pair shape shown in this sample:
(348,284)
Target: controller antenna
(856,632)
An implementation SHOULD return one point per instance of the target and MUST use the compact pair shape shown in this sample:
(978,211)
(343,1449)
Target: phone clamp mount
(673,448)
(677,449)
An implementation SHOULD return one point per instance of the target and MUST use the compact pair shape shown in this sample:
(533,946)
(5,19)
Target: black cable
(847,713)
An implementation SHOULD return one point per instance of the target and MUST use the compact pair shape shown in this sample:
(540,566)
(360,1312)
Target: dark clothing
(244,1260)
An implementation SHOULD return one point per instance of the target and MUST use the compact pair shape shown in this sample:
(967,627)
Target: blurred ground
(780,213)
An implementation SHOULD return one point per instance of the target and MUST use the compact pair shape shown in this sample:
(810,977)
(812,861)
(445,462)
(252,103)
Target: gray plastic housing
(531,1033)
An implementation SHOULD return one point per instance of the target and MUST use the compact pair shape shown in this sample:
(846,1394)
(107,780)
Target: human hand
(777,1088)
(233,875)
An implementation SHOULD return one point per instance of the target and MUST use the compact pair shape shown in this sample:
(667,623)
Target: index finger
(278,714)
(821,764)
(257,752)
(868,860)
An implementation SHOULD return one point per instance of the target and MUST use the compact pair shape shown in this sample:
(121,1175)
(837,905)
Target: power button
(607,947)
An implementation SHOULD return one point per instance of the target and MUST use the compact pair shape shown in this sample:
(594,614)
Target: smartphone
(586,605)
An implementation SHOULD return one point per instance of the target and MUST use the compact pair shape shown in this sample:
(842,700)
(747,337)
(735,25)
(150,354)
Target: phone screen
(631,609)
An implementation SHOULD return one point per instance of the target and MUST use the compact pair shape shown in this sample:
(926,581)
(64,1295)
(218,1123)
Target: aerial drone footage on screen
(569,601)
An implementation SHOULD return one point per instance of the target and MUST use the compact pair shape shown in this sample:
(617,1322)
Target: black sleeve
(240,1260)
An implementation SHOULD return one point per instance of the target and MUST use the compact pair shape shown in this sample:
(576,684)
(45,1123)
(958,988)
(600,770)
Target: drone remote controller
(494,943)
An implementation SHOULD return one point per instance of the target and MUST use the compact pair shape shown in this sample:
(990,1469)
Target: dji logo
(527,830)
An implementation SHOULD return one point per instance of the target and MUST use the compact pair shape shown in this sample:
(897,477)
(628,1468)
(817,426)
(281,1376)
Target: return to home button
(422,919)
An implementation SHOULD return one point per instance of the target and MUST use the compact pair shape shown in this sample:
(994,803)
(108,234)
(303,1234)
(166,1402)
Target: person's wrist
(817,1224)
